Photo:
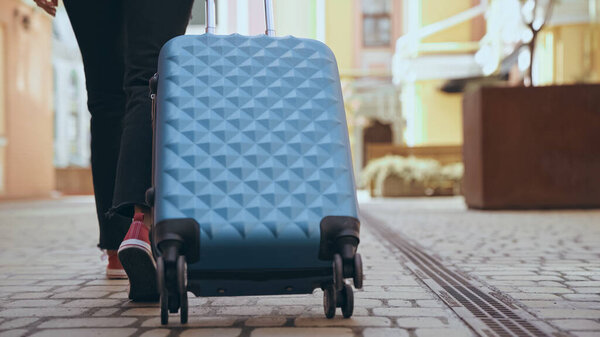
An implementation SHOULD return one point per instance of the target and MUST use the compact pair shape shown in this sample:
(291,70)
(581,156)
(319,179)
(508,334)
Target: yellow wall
(339,31)
(436,10)
(568,54)
(441,114)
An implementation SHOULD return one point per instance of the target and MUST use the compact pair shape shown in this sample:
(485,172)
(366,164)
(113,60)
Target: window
(377,22)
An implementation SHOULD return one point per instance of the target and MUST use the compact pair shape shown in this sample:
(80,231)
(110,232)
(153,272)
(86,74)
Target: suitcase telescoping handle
(210,17)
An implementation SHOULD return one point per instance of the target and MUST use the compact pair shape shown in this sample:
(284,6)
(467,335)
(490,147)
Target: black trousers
(120,41)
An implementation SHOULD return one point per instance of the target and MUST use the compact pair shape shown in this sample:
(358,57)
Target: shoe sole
(140,267)
(116,274)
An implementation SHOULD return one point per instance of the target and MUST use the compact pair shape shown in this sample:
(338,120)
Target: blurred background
(404,64)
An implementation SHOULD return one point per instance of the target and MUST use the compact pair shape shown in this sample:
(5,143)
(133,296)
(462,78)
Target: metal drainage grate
(488,312)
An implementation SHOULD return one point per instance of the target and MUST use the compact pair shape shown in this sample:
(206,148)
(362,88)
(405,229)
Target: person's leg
(98,27)
(148,25)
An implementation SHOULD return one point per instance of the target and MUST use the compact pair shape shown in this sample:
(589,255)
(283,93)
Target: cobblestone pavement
(52,284)
(548,261)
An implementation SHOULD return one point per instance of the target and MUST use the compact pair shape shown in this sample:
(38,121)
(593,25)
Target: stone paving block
(587,290)
(235,301)
(402,303)
(61,282)
(223,332)
(105,312)
(584,305)
(120,295)
(113,288)
(317,311)
(584,334)
(42,312)
(445,332)
(291,310)
(18,323)
(300,300)
(26,288)
(368,303)
(582,297)
(64,289)
(339,321)
(13,282)
(394,296)
(265,321)
(302,332)
(533,296)
(88,322)
(193,322)
(104,332)
(31,295)
(13,333)
(107,282)
(81,294)
(576,284)
(412,312)
(546,304)
(567,313)
(385,332)
(420,322)
(527,278)
(576,324)
(92,303)
(244,311)
(546,290)
(430,304)
(34,303)
(156,333)
(147,311)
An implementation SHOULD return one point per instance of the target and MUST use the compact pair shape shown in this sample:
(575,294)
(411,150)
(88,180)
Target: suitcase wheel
(164,294)
(358,272)
(182,288)
(172,283)
(338,272)
(329,301)
(343,299)
(347,298)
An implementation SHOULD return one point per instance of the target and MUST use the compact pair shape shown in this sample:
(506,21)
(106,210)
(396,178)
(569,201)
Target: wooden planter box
(532,147)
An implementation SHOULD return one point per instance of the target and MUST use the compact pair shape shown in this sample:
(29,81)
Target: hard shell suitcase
(253,191)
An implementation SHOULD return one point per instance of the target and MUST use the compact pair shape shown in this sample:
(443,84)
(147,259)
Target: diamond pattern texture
(251,142)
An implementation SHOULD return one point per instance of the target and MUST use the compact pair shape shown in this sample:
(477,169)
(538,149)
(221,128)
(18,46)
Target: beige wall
(27,105)
(567,54)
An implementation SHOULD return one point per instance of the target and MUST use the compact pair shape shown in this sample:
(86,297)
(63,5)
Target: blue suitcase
(253,190)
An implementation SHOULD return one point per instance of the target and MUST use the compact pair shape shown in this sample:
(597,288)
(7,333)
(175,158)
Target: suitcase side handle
(210,17)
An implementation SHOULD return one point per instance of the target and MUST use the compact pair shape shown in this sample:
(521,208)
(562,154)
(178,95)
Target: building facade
(26,113)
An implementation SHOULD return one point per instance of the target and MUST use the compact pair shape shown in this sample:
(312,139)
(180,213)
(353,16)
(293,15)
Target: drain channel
(488,312)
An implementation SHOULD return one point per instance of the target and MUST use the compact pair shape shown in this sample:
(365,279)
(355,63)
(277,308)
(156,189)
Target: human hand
(48,5)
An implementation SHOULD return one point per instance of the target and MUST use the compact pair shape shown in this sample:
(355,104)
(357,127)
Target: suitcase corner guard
(174,237)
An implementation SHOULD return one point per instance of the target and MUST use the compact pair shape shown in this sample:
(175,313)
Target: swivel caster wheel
(358,272)
(182,288)
(329,301)
(347,301)
(338,272)
(162,287)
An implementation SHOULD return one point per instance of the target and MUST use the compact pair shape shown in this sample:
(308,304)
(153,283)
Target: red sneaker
(114,269)
(135,254)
